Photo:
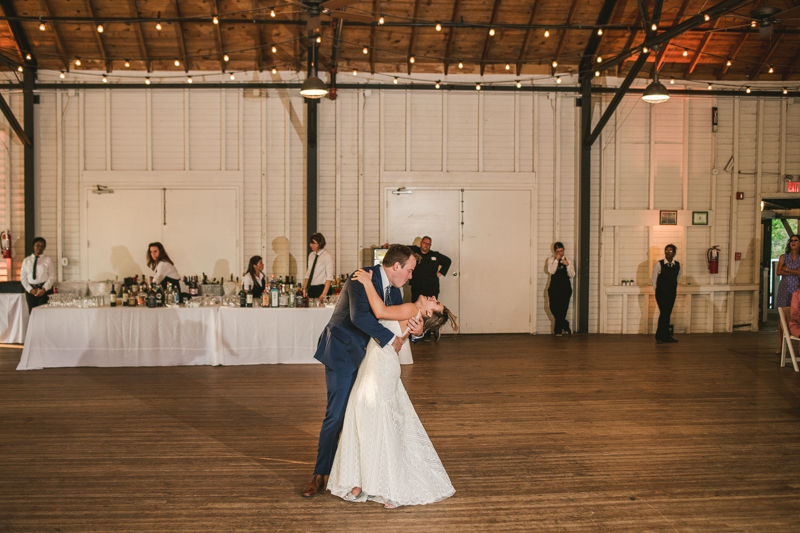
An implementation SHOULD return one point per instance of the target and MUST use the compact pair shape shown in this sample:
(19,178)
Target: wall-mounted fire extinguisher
(712,255)
(5,243)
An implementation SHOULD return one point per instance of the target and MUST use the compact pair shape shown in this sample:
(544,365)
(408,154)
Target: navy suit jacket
(343,344)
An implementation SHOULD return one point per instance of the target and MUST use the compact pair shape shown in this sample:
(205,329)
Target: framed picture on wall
(700,218)
(669,218)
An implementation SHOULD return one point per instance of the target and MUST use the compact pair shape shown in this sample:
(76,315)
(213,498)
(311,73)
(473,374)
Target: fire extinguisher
(712,255)
(5,243)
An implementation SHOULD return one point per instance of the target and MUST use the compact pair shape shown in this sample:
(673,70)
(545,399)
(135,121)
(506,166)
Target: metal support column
(311,146)
(28,82)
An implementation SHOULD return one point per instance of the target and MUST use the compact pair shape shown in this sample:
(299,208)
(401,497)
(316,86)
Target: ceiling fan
(327,9)
(766,17)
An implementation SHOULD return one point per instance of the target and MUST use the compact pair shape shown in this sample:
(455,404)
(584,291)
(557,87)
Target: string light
(685,52)
(437,85)
(654,27)
(753,23)
(645,49)
(225,58)
(599,31)
(460,64)
(785,90)
(147,81)
(215,20)
(127,63)
(547,33)
(62,76)
(28,57)
(177,63)
(710,87)
(233,76)
(355,72)
(599,59)
(728,62)
(394,81)
(558,79)
(381,20)
(477,86)
(555,63)
(158,26)
(491,32)
(365,50)
(771,70)
(596,73)
(274,70)
(189,79)
(272,13)
(706,17)
(508,67)
(77,61)
(438,27)
(274,50)
(158,21)
(19,68)
(100,28)
(519,84)
(105,79)
(747,90)
(42,27)
(411,60)
(672,81)
(319,38)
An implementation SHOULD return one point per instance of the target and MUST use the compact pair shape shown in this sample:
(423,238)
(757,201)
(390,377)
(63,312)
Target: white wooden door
(435,213)
(201,233)
(496,262)
(119,227)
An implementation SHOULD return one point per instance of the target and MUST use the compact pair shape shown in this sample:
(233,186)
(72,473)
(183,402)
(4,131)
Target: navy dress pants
(339,388)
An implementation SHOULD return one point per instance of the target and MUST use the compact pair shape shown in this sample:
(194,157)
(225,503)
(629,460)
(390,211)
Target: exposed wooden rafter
(99,37)
(700,49)
(563,38)
(451,36)
(734,52)
(218,38)
(21,41)
(376,6)
(181,41)
(62,49)
(488,38)
(259,41)
(140,36)
(765,58)
(662,54)
(413,38)
(528,33)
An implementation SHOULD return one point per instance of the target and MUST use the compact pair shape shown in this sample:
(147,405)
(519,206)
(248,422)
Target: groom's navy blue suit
(341,349)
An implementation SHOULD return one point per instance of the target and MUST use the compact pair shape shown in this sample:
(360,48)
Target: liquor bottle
(249,299)
(299,301)
(292,299)
(205,279)
(193,288)
(283,299)
(141,296)
(159,296)
(112,297)
(151,296)
(274,297)
(131,298)
(242,297)
(135,286)
(124,296)
(265,297)
(169,296)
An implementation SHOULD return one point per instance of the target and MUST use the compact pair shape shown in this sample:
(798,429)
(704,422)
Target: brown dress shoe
(314,486)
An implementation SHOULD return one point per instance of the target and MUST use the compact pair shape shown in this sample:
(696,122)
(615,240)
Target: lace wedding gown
(383,447)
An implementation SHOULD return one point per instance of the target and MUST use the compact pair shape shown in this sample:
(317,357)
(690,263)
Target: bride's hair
(439,319)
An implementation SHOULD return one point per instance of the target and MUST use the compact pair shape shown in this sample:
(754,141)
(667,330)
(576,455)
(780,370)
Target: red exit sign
(793,186)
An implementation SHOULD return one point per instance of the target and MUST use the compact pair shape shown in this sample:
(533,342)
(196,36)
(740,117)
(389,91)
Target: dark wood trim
(376,5)
(451,36)
(99,38)
(528,33)
(412,40)
(181,41)
(140,36)
(62,48)
(218,38)
(488,38)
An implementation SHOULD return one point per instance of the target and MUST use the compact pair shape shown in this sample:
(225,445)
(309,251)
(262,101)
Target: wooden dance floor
(588,433)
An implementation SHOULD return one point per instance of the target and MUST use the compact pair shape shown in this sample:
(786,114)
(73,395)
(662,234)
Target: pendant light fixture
(655,93)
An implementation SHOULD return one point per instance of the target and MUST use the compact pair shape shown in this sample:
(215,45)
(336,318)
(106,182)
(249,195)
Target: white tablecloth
(123,336)
(13,318)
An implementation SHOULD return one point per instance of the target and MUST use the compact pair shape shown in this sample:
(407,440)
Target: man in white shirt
(37,275)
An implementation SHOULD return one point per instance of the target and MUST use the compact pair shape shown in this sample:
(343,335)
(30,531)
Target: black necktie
(313,267)
(35,261)
(387,297)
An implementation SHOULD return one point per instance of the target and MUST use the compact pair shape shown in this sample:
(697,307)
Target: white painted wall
(647,159)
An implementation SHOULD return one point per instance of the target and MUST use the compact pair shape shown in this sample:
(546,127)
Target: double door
(487,235)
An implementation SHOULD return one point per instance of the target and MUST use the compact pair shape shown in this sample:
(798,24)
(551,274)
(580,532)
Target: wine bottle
(159,296)
(242,297)
(124,296)
(299,301)
(112,298)
(249,299)
(151,295)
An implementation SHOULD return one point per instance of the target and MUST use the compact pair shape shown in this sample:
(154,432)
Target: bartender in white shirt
(320,269)
(158,260)
(37,275)
(254,279)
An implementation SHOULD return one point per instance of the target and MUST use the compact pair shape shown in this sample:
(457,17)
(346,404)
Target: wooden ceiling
(247,33)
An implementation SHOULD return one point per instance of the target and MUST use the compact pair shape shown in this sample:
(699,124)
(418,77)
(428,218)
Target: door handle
(455,274)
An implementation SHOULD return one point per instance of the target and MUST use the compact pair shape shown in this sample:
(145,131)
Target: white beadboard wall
(648,158)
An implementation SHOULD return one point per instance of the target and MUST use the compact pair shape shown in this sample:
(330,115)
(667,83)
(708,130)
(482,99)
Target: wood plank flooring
(588,433)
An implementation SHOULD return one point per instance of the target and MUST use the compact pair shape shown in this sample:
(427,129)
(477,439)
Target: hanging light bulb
(28,57)
(685,52)
(547,33)
(272,13)
(394,81)
(710,87)
(158,25)
(215,20)
(355,72)
(437,86)
(411,60)
(127,63)
(519,84)
(77,61)
(460,64)
(729,63)
(274,70)
(100,28)
(63,75)
(177,63)
(771,70)
(319,38)
(753,23)
(558,79)
(596,73)
(654,27)
(477,86)
(645,49)
(42,27)
(226,58)
(706,17)
(19,68)
(147,81)
(599,31)
(105,78)
(555,63)
(599,59)
(672,81)
(508,67)
(274,50)
(655,93)
(189,79)
(365,50)
(785,90)
(747,90)
(491,32)
(233,76)
(438,27)
(381,20)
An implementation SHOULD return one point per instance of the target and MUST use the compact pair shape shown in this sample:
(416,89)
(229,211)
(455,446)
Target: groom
(343,344)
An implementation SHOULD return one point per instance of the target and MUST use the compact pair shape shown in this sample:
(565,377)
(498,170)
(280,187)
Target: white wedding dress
(383,447)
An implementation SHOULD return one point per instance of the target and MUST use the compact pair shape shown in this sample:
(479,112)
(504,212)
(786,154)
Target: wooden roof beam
(218,38)
(181,41)
(99,38)
(413,39)
(140,36)
(662,54)
(492,20)
(765,58)
(23,46)
(62,49)
(699,52)
(593,44)
(735,49)
(563,38)
(451,36)
(528,33)
(259,41)
(376,6)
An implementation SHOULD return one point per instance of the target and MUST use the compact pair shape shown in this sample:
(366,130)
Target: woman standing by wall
(560,289)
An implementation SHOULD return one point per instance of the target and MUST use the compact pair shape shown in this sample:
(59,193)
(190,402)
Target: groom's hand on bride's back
(397,343)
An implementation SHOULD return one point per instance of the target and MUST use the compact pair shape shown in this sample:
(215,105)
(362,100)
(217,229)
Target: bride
(384,453)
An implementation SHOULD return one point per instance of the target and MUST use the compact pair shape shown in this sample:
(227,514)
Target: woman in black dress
(560,289)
